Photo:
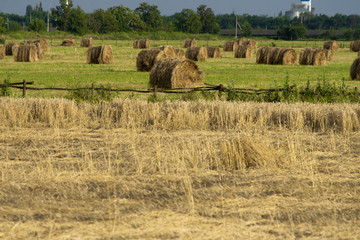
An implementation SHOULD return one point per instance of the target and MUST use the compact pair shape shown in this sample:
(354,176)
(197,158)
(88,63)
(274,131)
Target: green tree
(2,29)
(356,34)
(14,26)
(76,23)
(37,25)
(208,20)
(150,15)
(298,31)
(103,22)
(188,21)
(62,14)
(246,29)
(126,19)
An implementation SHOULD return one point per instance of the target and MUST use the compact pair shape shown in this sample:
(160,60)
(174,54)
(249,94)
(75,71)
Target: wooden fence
(24,85)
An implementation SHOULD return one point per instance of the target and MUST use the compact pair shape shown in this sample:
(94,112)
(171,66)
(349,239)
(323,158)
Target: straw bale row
(197,53)
(230,46)
(312,56)
(355,69)
(142,43)
(189,43)
(146,58)
(171,73)
(332,45)
(9,48)
(273,55)
(100,55)
(87,42)
(355,46)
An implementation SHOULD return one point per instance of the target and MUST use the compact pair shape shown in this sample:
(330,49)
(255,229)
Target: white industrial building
(298,8)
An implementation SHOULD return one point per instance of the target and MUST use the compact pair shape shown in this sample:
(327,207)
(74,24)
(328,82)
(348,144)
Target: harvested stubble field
(131,169)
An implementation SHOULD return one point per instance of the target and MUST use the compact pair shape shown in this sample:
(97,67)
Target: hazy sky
(169,7)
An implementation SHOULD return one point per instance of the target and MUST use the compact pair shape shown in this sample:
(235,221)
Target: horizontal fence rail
(208,87)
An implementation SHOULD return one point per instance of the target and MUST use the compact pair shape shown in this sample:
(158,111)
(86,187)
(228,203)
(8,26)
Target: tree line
(146,17)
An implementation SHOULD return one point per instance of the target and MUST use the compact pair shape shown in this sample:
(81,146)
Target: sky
(169,7)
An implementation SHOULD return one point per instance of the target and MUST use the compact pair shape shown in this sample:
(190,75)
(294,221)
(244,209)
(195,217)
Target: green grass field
(66,67)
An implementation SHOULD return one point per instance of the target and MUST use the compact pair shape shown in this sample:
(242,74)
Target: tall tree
(127,20)
(76,22)
(150,15)
(188,21)
(62,14)
(246,29)
(37,25)
(208,20)
(2,29)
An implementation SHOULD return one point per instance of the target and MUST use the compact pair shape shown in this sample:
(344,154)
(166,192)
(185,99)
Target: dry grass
(133,169)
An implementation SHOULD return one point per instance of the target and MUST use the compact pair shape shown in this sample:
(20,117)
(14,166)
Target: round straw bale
(250,42)
(9,48)
(328,54)
(87,42)
(196,53)
(243,51)
(355,46)
(287,56)
(261,57)
(355,69)
(25,53)
(189,43)
(146,58)
(180,53)
(271,55)
(171,73)
(142,43)
(312,56)
(230,46)
(333,45)
(100,55)
(2,52)
(274,56)
(40,50)
(213,52)
(68,43)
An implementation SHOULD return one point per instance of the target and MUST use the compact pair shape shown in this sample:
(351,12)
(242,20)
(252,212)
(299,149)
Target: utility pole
(8,24)
(48,23)
(236,28)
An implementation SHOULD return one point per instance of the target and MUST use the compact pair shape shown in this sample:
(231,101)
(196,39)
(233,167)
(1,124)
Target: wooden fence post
(24,88)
